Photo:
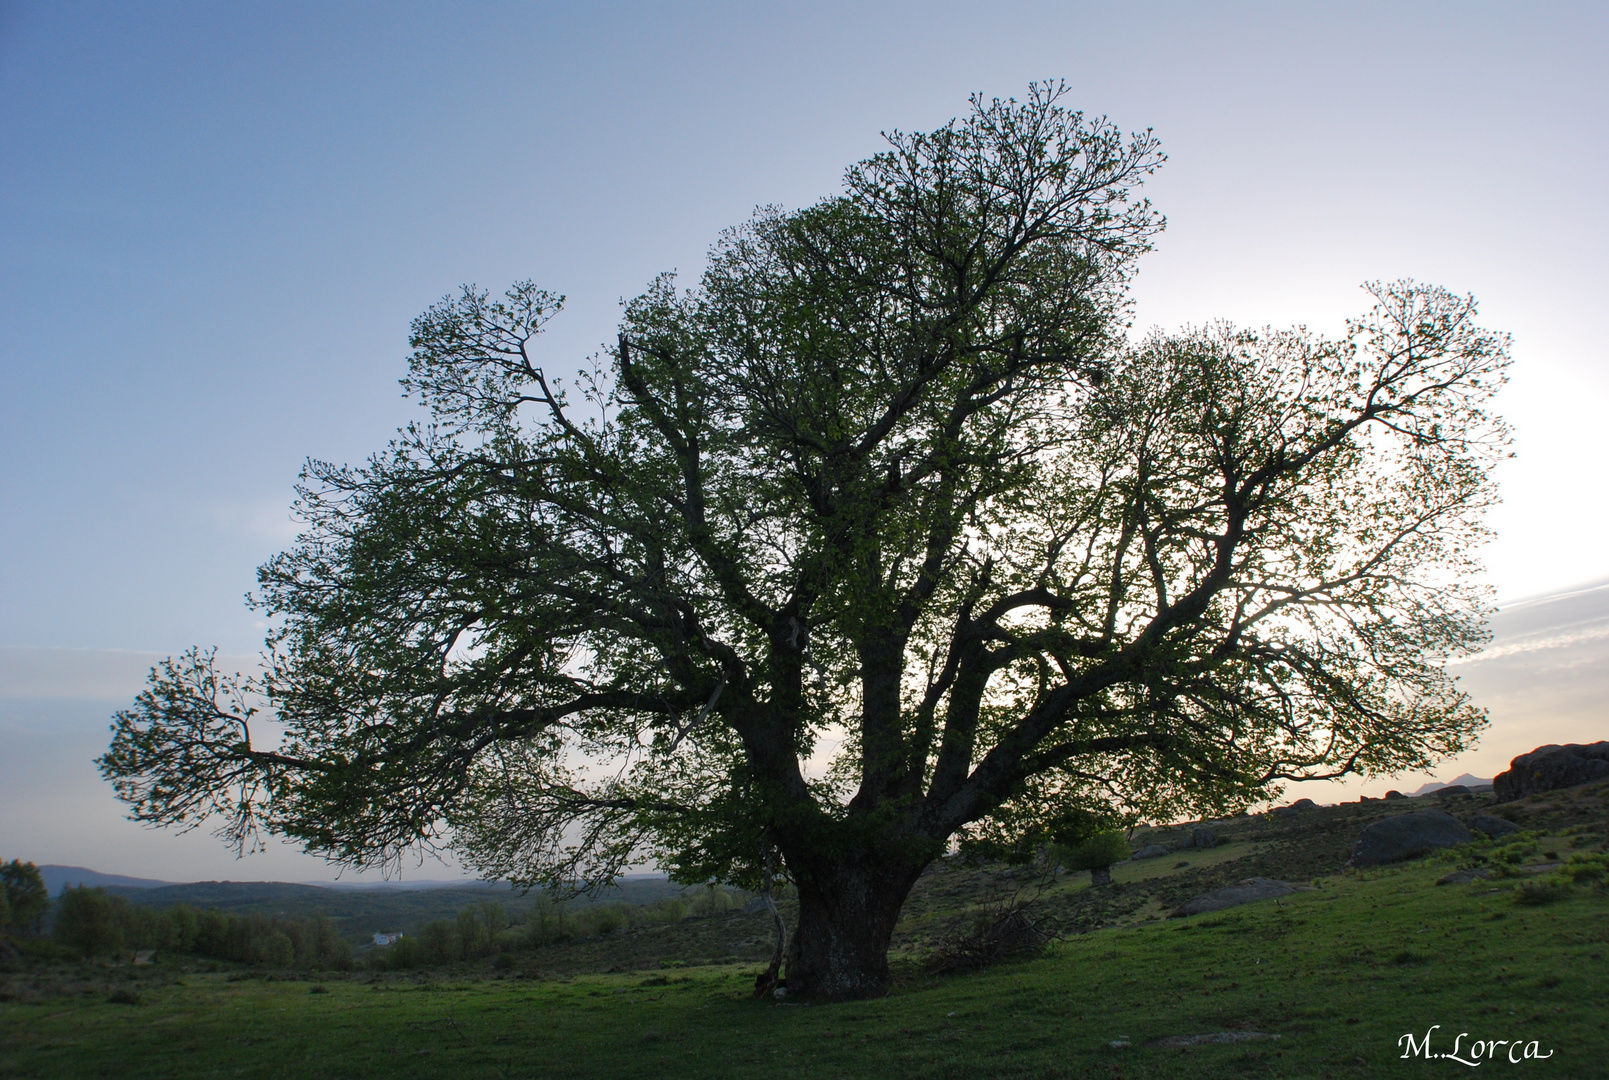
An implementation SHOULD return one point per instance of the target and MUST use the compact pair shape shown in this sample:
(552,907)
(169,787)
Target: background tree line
(488,929)
(91,922)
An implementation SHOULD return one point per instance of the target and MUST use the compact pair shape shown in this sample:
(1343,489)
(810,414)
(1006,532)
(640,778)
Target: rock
(1153,851)
(1461,877)
(1394,794)
(1294,808)
(1550,767)
(755,905)
(1406,836)
(1493,826)
(1203,839)
(1248,891)
(1180,865)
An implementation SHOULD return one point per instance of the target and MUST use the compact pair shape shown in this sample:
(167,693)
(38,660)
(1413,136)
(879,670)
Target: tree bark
(1100,875)
(847,912)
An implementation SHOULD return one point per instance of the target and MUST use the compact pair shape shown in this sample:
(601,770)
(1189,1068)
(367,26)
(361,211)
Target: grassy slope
(1340,973)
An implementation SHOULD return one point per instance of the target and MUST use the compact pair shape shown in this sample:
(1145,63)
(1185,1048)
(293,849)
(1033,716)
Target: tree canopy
(883,535)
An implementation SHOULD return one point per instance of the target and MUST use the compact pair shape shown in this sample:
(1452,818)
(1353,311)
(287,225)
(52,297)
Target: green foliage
(1585,867)
(25,899)
(93,922)
(1095,853)
(890,473)
(89,920)
(1543,890)
(486,929)
(1582,868)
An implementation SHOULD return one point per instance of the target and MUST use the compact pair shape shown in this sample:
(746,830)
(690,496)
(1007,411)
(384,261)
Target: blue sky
(216,221)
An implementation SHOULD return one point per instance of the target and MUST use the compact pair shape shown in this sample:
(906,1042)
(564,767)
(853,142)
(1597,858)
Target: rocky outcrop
(1493,826)
(1151,851)
(1406,836)
(1548,768)
(1294,808)
(1248,891)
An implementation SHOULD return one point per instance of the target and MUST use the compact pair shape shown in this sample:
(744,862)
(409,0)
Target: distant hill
(58,878)
(1466,779)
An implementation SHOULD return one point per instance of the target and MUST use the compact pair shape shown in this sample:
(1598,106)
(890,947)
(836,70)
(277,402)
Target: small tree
(26,899)
(1095,854)
(883,535)
(88,920)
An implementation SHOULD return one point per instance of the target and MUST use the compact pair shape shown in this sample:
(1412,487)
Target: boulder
(1248,891)
(1464,877)
(755,905)
(1406,836)
(1294,808)
(1153,851)
(1203,839)
(1550,767)
(1493,826)
(1394,794)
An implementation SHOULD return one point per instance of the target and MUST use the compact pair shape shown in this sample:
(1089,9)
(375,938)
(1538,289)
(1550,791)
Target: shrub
(1587,866)
(1542,890)
(1513,853)
(1010,932)
(1096,854)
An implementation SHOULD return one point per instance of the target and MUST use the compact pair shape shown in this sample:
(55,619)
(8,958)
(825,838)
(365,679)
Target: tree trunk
(847,912)
(1100,875)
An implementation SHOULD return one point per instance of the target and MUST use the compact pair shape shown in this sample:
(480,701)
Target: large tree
(883,536)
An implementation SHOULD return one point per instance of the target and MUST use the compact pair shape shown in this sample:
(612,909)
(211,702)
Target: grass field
(1339,974)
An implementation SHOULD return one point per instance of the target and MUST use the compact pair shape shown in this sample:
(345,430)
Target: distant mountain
(1436,785)
(58,878)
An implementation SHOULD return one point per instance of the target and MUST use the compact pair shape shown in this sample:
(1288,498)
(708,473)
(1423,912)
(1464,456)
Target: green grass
(1340,974)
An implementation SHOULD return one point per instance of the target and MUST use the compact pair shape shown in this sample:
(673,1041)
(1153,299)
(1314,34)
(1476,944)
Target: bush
(1586,866)
(1546,890)
(1514,852)
(1096,854)
(1010,932)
